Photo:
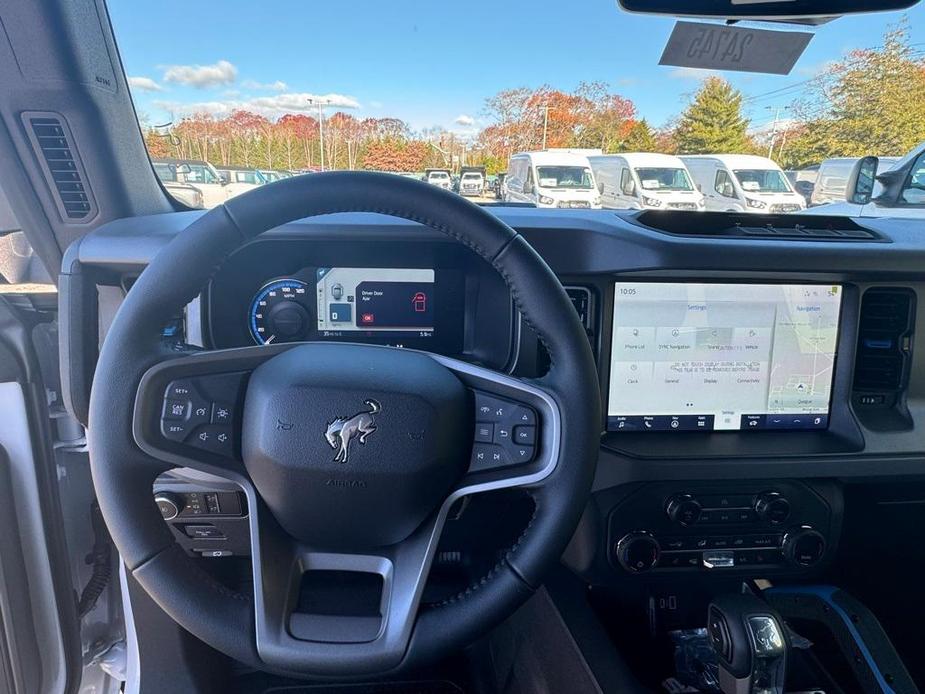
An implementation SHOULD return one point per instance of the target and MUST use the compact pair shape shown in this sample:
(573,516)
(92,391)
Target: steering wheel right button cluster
(506,433)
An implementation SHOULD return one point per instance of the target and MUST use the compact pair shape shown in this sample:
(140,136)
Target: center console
(747,528)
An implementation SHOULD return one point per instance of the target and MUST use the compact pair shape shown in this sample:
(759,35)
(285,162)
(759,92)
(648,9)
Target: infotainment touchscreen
(381,300)
(711,357)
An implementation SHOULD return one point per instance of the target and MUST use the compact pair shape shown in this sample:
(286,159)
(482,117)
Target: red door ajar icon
(419,302)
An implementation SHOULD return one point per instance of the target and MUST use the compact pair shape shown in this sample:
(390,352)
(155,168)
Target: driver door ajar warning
(718,47)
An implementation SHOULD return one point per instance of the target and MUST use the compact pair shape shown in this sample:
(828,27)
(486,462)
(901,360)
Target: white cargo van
(742,183)
(645,181)
(832,180)
(195,172)
(552,178)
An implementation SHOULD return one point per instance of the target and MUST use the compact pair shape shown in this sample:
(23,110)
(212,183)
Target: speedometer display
(281,312)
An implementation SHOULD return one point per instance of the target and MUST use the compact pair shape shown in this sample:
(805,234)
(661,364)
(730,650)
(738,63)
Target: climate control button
(772,508)
(683,509)
(637,551)
(804,546)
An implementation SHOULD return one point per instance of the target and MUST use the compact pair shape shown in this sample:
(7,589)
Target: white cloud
(463,119)
(201,76)
(277,86)
(269,106)
(144,84)
(691,73)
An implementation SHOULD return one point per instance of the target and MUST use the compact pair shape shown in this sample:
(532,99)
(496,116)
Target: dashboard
(744,377)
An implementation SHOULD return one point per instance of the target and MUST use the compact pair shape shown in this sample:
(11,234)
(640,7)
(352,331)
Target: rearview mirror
(860,185)
(756,9)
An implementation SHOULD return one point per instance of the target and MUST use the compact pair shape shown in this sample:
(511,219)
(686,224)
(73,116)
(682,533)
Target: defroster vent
(64,172)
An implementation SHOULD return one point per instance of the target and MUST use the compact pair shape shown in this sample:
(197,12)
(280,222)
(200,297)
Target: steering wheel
(350,456)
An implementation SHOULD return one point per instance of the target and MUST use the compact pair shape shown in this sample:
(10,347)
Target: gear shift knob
(750,643)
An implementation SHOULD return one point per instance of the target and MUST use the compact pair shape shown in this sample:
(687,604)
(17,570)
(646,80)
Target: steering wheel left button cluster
(200,412)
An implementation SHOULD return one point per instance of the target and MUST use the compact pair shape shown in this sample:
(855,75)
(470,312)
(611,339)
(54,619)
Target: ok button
(525,436)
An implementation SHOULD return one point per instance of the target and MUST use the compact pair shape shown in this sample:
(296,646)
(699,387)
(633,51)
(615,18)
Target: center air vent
(884,345)
(64,172)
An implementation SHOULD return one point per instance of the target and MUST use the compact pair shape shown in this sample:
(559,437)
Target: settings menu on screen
(704,357)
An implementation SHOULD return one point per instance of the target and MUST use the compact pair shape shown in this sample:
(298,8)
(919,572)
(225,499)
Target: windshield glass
(762,181)
(359,96)
(664,179)
(570,177)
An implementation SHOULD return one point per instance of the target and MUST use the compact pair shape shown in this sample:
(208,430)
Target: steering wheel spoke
(188,410)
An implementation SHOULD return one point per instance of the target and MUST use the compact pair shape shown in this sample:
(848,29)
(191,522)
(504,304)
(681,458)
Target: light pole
(773,128)
(321,103)
(545,108)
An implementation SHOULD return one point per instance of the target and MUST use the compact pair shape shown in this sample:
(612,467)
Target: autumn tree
(872,102)
(713,122)
(640,138)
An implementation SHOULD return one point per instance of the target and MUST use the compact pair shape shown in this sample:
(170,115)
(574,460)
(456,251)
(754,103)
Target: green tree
(872,102)
(713,123)
(640,138)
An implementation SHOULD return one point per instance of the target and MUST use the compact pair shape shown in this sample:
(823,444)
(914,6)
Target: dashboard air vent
(884,343)
(64,172)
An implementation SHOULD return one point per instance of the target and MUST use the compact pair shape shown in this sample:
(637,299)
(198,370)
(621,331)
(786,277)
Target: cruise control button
(215,438)
(525,435)
(180,390)
(175,410)
(200,411)
(175,431)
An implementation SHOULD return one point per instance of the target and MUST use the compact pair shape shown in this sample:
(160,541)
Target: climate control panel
(755,528)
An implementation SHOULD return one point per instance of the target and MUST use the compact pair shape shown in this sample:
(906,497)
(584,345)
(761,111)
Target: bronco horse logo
(343,430)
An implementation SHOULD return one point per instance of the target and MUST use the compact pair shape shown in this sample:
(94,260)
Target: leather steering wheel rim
(123,474)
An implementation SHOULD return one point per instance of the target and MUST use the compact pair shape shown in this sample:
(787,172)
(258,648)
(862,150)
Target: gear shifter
(750,643)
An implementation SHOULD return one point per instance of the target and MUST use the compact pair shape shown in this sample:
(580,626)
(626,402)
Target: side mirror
(528,189)
(184,169)
(600,187)
(860,185)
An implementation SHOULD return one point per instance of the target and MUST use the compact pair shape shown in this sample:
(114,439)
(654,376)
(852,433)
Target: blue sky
(428,62)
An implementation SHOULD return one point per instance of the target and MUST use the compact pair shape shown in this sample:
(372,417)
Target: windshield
(664,179)
(762,181)
(359,96)
(565,177)
(472,177)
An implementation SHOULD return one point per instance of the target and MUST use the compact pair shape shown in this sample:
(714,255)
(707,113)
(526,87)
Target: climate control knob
(169,504)
(637,551)
(803,546)
(772,507)
(683,509)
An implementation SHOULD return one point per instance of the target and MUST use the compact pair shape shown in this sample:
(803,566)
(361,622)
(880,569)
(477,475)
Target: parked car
(196,172)
(832,181)
(897,192)
(185,193)
(273,175)
(743,183)
(645,181)
(472,180)
(552,178)
(439,177)
(240,179)
(803,181)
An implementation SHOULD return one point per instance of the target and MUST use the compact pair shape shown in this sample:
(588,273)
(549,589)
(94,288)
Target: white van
(832,179)
(742,183)
(645,181)
(552,178)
